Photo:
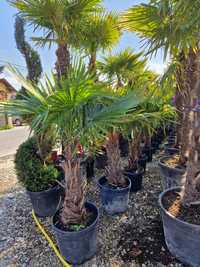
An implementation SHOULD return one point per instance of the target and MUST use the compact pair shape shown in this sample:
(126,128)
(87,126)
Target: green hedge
(31,171)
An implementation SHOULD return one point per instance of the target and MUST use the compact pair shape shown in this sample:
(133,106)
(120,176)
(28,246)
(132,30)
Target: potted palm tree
(179,35)
(114,187)
(72,107)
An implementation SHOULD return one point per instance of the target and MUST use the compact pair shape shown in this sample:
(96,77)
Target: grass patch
(5,127)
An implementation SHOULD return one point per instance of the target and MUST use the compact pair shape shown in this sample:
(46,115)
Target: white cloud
(159,68)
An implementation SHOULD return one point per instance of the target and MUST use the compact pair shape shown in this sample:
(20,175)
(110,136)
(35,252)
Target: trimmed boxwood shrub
(32,172)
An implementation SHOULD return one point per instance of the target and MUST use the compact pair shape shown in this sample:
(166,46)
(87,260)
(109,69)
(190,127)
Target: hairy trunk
(191,191)
(63,61)
(179,110)
(114,169)
(119,82)
(134,151)
(92,63)
(147,140)
(73,211)
(182,104)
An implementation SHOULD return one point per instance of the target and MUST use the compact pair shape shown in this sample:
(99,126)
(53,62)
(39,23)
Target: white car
(17,120)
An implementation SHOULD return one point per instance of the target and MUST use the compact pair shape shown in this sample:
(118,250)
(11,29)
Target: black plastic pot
(90,167)
(136,178)
(78,247)
(46,203)
(148,152)
(124,146)
(182,238)
(114,200)
(142,162)
(101,161)
(155,146)
(170,176)
(170,150)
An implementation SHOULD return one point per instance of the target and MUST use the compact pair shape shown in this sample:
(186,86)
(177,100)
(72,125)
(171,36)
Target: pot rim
(140,171)
(118,189)
(160,162)
(168,213)
(44,191)
(80,231)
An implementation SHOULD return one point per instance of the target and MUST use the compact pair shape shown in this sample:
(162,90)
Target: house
(7,91)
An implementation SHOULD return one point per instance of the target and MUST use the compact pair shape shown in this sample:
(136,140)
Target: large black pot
(170,176)
(89,167)
(101,161)
(114,200)
(142,161)
(155,145)
(136,178)
(170,150)
(182,238)
(148,152)
(124,146)
(78,247)
(46,203)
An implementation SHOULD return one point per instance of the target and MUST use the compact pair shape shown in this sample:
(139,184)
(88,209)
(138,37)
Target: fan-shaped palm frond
(163,24)
(58,20)
(99,32)
(121,66)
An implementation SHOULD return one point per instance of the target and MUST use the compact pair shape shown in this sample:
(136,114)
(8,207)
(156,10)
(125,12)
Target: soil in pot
(173,162)
(114,199)
(181,227)
(172,203)
(78,242)
(136,177)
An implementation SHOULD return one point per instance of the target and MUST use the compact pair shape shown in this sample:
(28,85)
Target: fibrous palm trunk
(73,211)
(134,151)
(92,62)
(114,168)
(191,191)
(63,60)
(182,104)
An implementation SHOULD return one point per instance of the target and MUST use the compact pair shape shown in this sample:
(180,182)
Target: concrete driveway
(11,139)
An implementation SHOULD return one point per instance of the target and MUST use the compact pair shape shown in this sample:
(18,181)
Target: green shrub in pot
(35,175)
(40,178)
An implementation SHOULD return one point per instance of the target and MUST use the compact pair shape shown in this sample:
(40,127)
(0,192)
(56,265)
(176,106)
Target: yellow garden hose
(51,243)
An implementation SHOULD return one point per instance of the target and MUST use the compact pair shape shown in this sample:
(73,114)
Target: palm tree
(120,66)
(171,25)
(100,32)
(58,19)
(82,112)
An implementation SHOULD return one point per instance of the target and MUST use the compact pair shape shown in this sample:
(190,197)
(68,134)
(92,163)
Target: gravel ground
(133,239)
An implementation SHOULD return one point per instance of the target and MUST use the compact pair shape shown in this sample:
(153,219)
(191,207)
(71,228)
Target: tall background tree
(99,33)
(174,26)
(58,20)
(31,56)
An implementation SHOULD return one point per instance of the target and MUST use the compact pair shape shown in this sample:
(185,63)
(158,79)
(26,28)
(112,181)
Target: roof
(8,85)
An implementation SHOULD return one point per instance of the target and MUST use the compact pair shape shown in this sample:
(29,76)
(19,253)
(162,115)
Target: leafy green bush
(31,171)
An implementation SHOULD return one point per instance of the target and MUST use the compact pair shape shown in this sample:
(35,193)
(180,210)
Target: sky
(10,54)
